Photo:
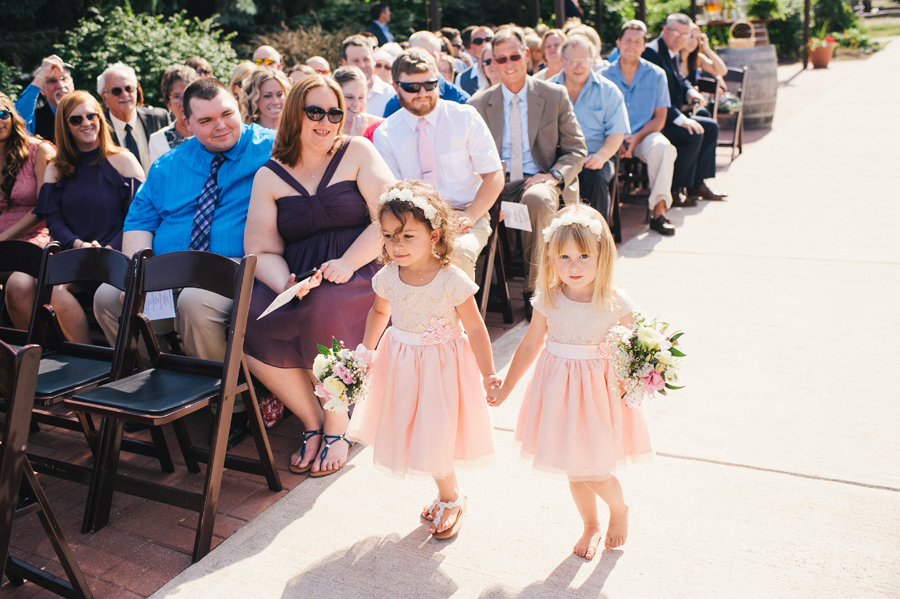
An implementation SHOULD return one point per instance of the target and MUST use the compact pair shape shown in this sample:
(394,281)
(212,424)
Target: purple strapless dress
(315,228)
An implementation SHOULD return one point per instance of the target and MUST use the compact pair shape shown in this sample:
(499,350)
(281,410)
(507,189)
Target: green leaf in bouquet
(323,350)
(335,346)
(668,386)
(677,352)
(662,392)
(675,337)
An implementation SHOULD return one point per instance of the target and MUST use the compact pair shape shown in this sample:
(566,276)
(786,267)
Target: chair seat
(153,391)
(59,373)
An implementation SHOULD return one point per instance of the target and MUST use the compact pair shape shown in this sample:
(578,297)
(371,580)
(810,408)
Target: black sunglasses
(117,91)
(76,119)
(4,114)
(488,61)
(503,59)
(413,88)
(204,72)
(315,113)
(477,41)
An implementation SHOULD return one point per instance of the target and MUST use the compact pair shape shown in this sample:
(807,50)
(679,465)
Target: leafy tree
(144,42)
(8,80)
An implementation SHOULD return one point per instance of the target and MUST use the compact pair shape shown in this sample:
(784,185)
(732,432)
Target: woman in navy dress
(312,207)
(84,199)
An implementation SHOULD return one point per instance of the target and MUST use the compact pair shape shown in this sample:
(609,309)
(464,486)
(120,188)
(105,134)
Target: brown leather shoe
(705,193)
(684,202)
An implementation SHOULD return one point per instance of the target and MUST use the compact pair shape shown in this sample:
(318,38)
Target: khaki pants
(469,245)
(659,154)
(201,318)
(543,203)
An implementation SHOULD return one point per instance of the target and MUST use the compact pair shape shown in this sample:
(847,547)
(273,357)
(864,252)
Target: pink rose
(343,373)
(652,382)
(321,392)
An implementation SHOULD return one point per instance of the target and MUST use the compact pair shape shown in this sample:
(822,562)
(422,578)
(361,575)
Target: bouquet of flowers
(646,357)
(342,375)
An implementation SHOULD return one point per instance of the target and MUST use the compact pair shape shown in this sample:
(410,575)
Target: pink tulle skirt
(571,422)
(426,411)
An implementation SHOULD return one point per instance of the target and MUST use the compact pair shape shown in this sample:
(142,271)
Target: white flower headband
(572,218)
(405,195)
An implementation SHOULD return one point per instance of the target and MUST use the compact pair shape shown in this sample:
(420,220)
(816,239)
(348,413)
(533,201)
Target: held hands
(337,271)
(541,178)
(628,144)
(491,384)
(498,393)
(313,282)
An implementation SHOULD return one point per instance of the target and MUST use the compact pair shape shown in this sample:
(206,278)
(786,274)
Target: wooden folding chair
(18,377)
(175,387)
(20,256)
(494,264)
(736,80)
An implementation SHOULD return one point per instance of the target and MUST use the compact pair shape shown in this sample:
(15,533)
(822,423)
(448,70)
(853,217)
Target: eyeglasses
(413,88)
(316,113)
(4,115)
(457,45)
(264,61)
(323,71)
(76,119)
(204,72)
(578,62)
(487,62)
(503,59)
(117,91)
(384,66)
(477,41)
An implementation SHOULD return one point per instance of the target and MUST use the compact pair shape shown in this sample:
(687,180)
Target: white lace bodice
(413,308)
(578,323)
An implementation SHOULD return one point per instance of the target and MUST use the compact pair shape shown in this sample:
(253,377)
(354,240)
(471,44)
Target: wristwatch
(559,177)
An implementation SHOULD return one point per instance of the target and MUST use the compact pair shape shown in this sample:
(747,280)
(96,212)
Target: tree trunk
(435,9)
(559,7)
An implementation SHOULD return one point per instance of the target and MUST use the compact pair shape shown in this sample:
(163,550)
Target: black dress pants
(696,153)
(594,186)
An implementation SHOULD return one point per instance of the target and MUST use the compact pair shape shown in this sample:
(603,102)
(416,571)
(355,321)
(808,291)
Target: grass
(881,27)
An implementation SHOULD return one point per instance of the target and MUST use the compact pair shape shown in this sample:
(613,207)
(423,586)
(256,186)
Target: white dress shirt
(379,96)
(140,137)
(462,144)
(528,165)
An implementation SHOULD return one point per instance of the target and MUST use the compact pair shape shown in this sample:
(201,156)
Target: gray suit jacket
(553,132)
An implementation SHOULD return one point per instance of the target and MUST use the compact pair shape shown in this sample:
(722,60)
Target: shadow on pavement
(558,582)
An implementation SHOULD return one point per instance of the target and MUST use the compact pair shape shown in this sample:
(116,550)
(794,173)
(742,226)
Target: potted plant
(821,49)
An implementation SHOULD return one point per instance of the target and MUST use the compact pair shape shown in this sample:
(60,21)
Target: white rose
(320,366)
(649,337)
(336,406)
(334,386)
(665,357)
(344,354)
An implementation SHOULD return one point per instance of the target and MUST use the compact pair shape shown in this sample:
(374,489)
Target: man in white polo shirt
(356,51)
(445,144)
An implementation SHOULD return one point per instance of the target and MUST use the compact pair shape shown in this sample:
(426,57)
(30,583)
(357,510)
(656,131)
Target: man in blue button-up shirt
(162,213)
(600,110)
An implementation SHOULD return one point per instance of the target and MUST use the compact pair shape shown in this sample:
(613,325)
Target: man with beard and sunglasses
(469,174)
(131,124)
(535,130)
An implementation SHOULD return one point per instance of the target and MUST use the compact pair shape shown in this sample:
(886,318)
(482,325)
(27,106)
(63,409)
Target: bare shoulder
(51,175)
(45,151)
(359,150)
(126,164)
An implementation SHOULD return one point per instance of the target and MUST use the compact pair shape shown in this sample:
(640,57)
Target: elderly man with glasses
(131,123)
(538,136)
(53,81)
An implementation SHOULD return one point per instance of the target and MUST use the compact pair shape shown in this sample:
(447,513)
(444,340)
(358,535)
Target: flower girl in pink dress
(425,412)
(573,419)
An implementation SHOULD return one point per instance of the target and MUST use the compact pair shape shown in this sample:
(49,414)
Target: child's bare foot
(448,518)
(586,546)
(429,511)
(618,529)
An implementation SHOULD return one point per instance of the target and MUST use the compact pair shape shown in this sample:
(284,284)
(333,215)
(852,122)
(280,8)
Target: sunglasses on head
(264,61)
(477,41)
(316,113)
(413,88)
(503,59)
(76,119)
(117,91)
(4,114)
(323,71)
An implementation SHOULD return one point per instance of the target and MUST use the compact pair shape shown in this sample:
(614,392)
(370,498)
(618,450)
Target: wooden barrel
(762,82)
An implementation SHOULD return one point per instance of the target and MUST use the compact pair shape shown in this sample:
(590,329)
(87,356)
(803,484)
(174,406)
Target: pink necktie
(426,153)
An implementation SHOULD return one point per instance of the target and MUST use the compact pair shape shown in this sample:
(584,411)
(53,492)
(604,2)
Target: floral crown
(572,218)
(405,195)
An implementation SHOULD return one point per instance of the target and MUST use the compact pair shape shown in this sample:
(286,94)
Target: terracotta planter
(821,56)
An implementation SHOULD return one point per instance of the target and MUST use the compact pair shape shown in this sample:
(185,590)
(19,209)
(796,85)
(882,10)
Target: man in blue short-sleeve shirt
(600,110)
(163,212)
(646,95)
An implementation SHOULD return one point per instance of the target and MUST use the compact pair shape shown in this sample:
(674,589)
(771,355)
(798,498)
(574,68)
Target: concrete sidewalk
(779,465)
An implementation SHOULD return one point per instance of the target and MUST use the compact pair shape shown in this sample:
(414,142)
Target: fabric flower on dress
(437,331)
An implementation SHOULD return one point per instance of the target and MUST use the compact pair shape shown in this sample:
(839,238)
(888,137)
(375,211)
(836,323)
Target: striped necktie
(205,207)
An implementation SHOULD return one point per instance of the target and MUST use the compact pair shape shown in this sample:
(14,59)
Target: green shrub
(298,45)
(146,43)
(658,11)
(834,15)
(9,78)
(787,34)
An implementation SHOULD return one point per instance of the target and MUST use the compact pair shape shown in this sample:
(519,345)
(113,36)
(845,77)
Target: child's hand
(311,284)
(495,395)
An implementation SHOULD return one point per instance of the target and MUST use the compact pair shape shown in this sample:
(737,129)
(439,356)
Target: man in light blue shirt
(163,211)
(646,94)
(53,81)
(600,110)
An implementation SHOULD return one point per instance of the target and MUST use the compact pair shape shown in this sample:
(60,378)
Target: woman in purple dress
(311,208)
(84,199)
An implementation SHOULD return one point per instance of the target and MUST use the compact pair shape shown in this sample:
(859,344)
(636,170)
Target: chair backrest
(100,265)
(28,258)
(736,80)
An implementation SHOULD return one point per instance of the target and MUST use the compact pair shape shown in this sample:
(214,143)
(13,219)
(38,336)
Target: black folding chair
(175,387)
(492,254)
(20,256)
(20,491)
(736,80)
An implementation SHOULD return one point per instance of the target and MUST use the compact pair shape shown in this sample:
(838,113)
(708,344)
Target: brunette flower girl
(426,412)
(573,418)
